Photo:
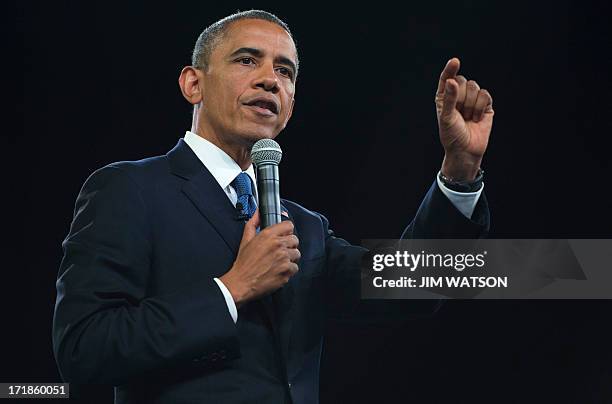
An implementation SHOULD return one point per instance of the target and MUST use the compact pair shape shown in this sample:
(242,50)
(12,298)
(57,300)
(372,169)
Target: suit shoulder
(141,173)
(143,169)
(298,210)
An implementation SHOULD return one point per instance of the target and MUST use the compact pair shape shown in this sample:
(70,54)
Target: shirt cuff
(229,300)
(465,202)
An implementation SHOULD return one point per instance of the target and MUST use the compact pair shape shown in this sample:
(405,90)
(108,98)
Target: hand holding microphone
(268,259)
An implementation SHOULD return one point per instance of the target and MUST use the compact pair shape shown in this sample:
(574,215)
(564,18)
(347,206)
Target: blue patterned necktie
(244,189)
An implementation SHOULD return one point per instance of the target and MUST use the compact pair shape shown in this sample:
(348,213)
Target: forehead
(258,34)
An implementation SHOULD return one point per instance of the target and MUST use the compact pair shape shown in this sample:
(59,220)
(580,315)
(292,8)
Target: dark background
(97,83)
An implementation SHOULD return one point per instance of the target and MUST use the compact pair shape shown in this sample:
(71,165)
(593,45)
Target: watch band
(463,186)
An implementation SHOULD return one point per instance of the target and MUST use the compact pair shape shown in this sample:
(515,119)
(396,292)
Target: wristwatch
(463,186)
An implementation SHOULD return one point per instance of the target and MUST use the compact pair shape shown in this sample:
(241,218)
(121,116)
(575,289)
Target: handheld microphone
(266,154)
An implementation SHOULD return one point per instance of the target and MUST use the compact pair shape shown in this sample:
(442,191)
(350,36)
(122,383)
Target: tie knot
(242,185)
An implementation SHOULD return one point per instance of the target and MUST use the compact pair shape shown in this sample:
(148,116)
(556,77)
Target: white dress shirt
(224,169)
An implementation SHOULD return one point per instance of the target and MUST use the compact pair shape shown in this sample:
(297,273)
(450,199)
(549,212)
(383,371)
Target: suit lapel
(206,194)
(214,204)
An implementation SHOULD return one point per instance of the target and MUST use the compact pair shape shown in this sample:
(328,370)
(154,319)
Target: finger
(461,91)
(250,228)
(489,108)
(292,269)
(450,71)
(449,102)
(285,276)
(283,228)
(291,241)
(255,219)
(294,255)
(287,272)
(471,95)
(483,103)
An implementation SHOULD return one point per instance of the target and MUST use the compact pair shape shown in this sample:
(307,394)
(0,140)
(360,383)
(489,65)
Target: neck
(239,152)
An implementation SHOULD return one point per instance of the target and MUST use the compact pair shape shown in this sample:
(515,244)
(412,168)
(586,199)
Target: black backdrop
(97,83)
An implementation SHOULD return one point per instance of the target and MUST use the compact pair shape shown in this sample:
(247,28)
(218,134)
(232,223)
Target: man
(166,293)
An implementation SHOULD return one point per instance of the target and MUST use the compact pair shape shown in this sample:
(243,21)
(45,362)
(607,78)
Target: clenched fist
(465,119)
(265,262)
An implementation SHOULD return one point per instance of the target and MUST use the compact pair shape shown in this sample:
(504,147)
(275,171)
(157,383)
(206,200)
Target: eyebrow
(259,53)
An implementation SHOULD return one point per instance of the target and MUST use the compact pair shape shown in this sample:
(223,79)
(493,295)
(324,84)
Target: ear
(190,81)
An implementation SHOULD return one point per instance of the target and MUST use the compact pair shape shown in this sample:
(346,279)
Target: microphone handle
(269,194)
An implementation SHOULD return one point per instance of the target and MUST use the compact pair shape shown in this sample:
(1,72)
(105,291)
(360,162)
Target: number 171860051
(34,390)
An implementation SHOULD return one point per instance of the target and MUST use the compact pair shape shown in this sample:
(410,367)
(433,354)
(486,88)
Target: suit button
(289,385)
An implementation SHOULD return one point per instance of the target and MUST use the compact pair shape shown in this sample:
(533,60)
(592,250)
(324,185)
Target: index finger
(283,228)
(450,71)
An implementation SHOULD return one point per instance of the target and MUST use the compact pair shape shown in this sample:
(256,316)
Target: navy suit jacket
(137,306)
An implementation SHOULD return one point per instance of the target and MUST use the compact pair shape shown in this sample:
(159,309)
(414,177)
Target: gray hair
(210,37)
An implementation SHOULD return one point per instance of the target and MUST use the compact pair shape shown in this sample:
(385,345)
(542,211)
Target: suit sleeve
(106,329)
(436,217)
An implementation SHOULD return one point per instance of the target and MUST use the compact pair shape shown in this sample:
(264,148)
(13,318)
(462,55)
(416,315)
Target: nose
(267,79)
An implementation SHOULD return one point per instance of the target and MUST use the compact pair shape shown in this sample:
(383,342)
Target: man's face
(249,85)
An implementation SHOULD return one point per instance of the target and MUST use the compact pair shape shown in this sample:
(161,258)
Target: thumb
(250,228)
(450,100)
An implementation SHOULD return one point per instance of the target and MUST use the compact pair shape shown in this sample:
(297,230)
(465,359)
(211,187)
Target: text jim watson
(443,282)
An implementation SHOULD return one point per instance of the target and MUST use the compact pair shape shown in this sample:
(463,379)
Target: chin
(256,134)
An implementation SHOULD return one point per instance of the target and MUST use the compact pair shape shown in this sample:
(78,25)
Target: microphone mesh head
(266,151)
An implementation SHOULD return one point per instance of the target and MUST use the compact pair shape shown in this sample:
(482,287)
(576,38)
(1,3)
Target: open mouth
(263,106)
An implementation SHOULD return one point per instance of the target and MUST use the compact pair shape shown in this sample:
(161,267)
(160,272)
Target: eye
(285,72)
(246,61)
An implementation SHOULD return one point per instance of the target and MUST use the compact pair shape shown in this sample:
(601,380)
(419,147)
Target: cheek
(231,99)
(288,100)
(288,110)
(224,93)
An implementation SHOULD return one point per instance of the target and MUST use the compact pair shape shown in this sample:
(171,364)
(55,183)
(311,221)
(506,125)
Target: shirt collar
(222,167)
